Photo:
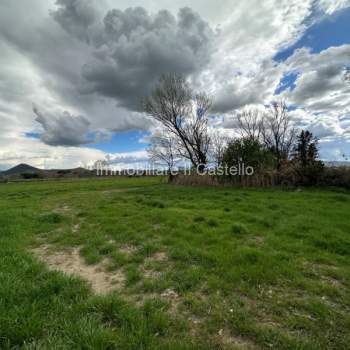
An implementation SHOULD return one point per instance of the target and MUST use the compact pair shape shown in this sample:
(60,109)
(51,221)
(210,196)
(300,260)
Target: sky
(73,72)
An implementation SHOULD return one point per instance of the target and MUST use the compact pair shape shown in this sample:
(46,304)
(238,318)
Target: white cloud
(38,154)
(320,86)
(331,6)
(43,63)
(64,129)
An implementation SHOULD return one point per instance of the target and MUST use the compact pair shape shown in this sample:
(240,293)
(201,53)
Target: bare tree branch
(182,114)
(162,151)
(218,146)
(277,132)
(249,122)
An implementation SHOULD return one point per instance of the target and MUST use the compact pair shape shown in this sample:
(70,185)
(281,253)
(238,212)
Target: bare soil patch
(71,263)
(157,257)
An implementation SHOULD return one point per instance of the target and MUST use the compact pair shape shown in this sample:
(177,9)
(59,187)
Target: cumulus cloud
(325,128)
(331,6)
(243,69)
(62,130)
(320,86)
(76,16)
(134,48)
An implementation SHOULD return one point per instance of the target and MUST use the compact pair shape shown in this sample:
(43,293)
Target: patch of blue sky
(32,135)
(120,142)
(287,82)
(333,30)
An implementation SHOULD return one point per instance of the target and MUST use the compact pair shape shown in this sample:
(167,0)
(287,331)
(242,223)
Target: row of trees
(267,138)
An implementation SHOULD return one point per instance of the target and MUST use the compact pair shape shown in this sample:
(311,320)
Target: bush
(336,176)
(310,174)
(250,153)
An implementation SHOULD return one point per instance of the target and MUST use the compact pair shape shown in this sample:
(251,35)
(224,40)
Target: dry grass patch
(71,263)
(226,339)
(65,209)
(127,249)
(159,257)
(76,228)
(154,266)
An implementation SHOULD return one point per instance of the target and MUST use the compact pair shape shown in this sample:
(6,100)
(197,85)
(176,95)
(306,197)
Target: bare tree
(183,114)
(101,167)
(277,132)
(218,144)
(162,151)
(249,122)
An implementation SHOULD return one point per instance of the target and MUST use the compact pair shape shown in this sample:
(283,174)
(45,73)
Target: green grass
(250,268)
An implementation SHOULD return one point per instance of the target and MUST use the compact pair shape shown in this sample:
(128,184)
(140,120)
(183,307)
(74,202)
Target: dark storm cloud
(75,16)
(39,54)
(62,130)
(133,48)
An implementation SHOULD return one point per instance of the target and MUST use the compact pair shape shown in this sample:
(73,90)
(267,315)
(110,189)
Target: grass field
(171,267)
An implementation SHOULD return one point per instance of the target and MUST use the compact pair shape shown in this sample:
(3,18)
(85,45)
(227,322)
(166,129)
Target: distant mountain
(21,169)
(25,171)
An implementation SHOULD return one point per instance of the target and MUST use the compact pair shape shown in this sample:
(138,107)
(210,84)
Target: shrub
(336,176)
(250,153)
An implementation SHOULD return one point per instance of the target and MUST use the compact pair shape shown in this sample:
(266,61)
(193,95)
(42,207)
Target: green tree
(250,152)
(305,157)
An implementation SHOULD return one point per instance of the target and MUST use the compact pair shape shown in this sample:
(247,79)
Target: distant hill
(25,171)
(20,169)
